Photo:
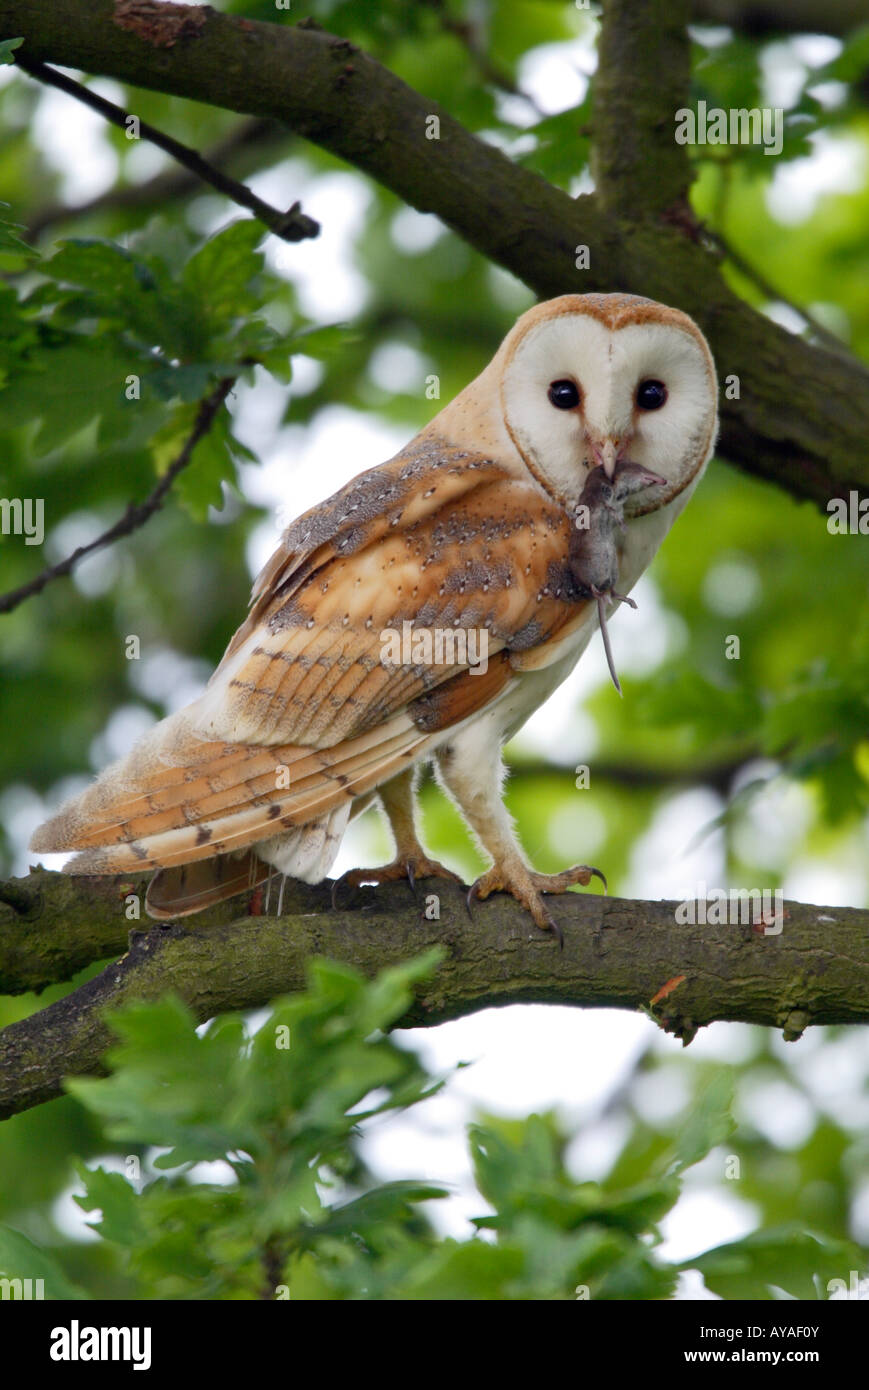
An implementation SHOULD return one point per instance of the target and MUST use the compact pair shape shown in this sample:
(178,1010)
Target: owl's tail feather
(192,887)
(178,799)
(175,777)
(306,853)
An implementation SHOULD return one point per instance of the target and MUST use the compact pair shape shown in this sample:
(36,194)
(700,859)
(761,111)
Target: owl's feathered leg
(411,861)
(475,785)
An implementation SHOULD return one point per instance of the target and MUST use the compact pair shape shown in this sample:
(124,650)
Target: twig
(137,513)
(759,280)
(292,225)
(468,35)
(170,184)
(273,1260)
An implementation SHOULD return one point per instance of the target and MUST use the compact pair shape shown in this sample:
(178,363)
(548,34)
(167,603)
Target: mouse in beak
(593,557)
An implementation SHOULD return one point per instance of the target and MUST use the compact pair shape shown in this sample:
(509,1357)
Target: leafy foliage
(279,1109)
(297,1214)
(170,318)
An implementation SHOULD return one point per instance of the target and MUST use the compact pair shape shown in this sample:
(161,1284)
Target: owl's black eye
(651,395)
(564,395)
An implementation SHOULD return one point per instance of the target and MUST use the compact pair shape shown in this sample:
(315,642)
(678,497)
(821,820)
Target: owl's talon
(554,927)
(581,874)
(528,887)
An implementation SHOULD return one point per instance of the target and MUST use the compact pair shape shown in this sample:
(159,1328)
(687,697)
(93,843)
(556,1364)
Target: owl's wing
(366,640)
(424,478)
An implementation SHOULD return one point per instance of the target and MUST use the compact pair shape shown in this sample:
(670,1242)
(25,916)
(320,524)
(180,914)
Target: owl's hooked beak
(608,451)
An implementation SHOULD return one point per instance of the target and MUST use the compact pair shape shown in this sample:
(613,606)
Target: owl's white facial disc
(608,366)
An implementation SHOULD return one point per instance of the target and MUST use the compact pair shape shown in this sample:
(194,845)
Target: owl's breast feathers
(304,712)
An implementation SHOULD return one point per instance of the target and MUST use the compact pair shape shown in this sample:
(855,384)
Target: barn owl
(465,532)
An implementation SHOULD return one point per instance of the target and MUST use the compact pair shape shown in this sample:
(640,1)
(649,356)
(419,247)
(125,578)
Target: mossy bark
(617,953)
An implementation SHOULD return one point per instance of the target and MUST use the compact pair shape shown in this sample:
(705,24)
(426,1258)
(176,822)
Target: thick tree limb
(53,925)
(633,120)
(617,954)
(633,129)
(803,414)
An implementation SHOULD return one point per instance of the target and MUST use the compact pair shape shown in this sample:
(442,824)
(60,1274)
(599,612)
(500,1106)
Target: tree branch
(137,513)
(762,18)
(617,954)
(639,170)
(292,225)
(718,774)
(53,925)
(249,144)
(470,35)
(767,288)
(803,414)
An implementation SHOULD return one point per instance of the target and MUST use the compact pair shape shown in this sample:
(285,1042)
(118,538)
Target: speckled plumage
(467,529)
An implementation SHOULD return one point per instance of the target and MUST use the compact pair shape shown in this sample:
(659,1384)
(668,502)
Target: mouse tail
(604,632)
